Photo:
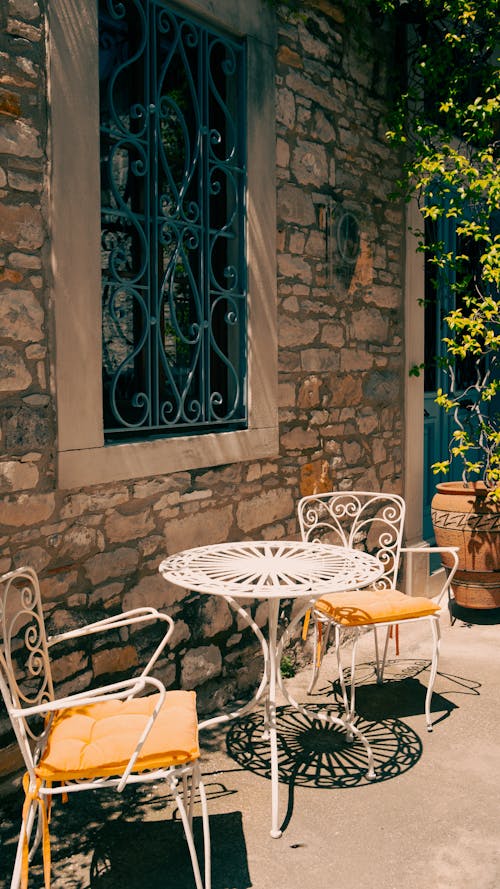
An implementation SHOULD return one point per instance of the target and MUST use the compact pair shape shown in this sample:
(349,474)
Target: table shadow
(318,755)
(314,754)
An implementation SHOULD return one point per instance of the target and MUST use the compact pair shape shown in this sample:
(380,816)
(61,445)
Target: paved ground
(429,821)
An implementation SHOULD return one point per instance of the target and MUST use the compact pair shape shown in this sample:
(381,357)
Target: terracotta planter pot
(462,517)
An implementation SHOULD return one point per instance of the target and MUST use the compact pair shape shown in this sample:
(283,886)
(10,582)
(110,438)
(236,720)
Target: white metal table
(273,571)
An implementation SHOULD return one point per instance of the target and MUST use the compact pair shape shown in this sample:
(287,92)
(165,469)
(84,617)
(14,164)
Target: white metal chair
(110,736)
(374,522)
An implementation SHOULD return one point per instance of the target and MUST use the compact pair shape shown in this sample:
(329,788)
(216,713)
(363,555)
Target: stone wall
(340,359)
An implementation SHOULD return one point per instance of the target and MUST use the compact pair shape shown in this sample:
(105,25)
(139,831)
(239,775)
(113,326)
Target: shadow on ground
(102,841)
(475,616)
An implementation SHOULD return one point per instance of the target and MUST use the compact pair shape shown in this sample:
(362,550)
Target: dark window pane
(173,223)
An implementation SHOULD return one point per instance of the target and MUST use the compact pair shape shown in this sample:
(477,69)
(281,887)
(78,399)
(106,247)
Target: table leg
(274,666)
(264,683)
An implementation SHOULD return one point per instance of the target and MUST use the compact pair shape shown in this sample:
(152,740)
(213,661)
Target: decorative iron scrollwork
(173,222)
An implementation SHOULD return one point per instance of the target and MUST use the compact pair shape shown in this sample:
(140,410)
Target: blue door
(440,299)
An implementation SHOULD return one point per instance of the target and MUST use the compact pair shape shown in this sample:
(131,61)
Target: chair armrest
(123,619)
(127,688)
(449,572)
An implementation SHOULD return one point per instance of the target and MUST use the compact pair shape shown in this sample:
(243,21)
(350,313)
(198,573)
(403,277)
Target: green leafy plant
(287,667)
(447,123)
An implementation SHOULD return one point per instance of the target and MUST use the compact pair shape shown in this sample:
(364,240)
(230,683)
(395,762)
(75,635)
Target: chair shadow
(102,841)
(401,694)
(154,854)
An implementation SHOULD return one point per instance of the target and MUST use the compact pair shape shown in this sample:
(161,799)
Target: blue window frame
(173,176)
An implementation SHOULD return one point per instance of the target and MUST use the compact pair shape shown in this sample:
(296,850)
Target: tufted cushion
(373,607)
(97,740)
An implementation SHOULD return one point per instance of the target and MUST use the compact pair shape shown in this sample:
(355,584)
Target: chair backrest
(25,677)
(360,520)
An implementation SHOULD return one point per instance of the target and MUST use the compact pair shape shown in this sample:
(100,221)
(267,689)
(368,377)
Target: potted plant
(447,122)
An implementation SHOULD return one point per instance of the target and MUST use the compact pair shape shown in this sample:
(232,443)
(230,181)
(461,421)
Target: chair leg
(188,797)
(351,712)
(25,834)
(436,635)
(340,668)
(206,835)
(320,640)
(196,782)
(380,664)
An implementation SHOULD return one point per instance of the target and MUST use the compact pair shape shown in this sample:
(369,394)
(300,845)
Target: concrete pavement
(430,820)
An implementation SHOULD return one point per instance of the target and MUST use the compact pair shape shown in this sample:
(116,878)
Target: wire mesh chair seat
(373,522)
(127,732)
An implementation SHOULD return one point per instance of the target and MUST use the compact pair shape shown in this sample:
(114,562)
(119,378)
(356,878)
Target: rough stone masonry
(340,359)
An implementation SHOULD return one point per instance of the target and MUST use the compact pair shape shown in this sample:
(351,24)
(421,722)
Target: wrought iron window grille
(173,175)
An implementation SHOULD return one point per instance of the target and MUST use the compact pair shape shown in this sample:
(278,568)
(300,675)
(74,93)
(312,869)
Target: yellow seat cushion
(97,740)
(373,606)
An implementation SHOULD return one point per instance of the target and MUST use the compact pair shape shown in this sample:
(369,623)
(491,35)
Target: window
(442,296)
(230,395)
(172,222)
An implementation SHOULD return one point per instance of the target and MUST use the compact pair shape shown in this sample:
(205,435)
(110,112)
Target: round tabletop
(268,569)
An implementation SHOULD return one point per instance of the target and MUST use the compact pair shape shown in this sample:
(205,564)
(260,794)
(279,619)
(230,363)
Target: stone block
(199,665)
(370,324)
(264,509)
(347,389)
(289,57)
(333,335)
(108,565)
(295,205)
(309,393)
(80,503)
(68,665)
(14,375)
(386,297)
(293,266)
(56,587)
(355,360)
(299,439)
(17,476)
(309,164)
(19,139)
(114,660)
(382,387)
(25,9)
(26,428)
(80,541)
(216,616)
(27,510)
(34,556)
(109,595)
(153,590)
(315,478)
(293,332)
(120,528)
(285,108)
(199,529)
(352,452)
(10,104)
(180,634)
(317,360)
